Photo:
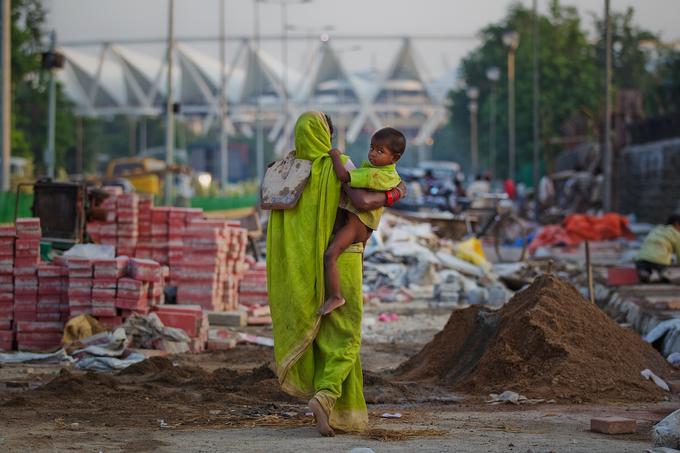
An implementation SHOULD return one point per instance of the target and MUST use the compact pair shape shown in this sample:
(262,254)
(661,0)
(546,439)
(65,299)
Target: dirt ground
(230,401)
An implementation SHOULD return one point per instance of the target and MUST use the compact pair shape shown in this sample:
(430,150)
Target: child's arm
(340,171)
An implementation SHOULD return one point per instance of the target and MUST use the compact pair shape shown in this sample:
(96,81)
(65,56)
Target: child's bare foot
(321,418)
(331,304)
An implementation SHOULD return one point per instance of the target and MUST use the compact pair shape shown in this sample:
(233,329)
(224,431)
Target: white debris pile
(406,261)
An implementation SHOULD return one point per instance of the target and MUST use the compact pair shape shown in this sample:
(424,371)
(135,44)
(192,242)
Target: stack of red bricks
(201,274)
(106,231)
(253,287)
(206,257)
(190,318)
(53,304)
(39,315)
(7,237)
(236,264)
(127,211)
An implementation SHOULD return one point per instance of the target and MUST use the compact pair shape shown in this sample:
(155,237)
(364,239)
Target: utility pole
(608,157)
(224,139)
(493,74)
(51,114)
(5,93)
(473,95)
(536,97)
(511,40)
(259,130)
(169,111)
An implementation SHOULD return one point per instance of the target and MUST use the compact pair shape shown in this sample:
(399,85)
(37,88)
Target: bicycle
(496,218)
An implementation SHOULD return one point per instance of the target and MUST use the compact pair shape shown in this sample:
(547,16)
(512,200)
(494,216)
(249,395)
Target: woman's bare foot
(321,419)
(331,304)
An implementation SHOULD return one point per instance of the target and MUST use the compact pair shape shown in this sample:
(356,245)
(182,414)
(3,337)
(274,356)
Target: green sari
(316,356)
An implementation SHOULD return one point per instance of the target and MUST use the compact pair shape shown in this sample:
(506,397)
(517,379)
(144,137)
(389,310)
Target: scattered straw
(389,435)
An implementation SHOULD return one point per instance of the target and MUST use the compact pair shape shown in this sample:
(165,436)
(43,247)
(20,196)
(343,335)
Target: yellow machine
(144,173)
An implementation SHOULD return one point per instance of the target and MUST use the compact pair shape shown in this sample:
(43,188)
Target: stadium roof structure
(124,81)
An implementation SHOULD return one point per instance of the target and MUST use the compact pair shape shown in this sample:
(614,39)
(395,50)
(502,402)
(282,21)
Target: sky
(113,20)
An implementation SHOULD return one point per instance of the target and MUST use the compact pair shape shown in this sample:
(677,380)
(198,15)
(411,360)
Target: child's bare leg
(353,231)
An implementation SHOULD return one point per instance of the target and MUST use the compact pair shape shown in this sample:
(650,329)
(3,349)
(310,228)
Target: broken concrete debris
(406,261)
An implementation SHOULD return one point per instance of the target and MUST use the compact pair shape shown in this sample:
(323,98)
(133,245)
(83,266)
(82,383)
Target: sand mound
(547,342)
(148,366)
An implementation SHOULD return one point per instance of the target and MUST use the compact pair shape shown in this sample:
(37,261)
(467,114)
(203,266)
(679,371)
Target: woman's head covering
(312,136)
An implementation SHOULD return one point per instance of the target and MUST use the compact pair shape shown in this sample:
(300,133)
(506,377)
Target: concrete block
(613,425)
(235,318)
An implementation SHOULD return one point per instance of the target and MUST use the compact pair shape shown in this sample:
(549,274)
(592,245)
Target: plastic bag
(472,252)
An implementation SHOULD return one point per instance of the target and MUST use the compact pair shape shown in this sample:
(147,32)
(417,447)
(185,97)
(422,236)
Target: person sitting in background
(478,186)
(428,181)
(658,248)
(510,188)
(546,192)
(476,189)
(460,190)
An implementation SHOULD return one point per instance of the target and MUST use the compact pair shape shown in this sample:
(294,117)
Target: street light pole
(259,130)
(511,40)
(5,93)
(51,115)
(493,74)
(224,139)
(608,157)
(170,114)
(536,97)
(473,95)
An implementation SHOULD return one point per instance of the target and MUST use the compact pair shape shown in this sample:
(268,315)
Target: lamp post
(535,38)
(5,92)
(493,74)
(473,95)
(312,32)
(608,157)
(169,112)
(511,41)
(224,139)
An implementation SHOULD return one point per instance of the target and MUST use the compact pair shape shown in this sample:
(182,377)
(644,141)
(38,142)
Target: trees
(30,89)
(571,73)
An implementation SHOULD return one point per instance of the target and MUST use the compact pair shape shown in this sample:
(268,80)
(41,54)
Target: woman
(317,357)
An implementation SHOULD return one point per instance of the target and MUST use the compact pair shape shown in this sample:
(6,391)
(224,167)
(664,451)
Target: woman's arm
(366,200)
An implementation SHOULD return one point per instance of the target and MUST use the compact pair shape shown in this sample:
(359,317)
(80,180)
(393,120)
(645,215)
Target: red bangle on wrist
(390,198)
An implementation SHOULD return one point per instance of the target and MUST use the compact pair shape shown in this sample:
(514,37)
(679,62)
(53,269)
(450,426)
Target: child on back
(378,173)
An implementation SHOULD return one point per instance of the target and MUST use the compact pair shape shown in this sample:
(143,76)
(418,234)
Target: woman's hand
(366,200)
(334,152)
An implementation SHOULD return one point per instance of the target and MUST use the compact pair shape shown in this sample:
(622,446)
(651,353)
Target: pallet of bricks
(253,293)
(31,318)
(205,256)
(120,225)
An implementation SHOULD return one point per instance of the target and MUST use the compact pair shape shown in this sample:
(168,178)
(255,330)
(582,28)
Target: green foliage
(571,75)
(30,88)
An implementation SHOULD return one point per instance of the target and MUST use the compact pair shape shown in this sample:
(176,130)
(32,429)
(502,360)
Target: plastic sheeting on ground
(577,228)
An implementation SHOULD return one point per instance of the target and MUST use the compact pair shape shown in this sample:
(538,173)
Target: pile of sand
(547,342)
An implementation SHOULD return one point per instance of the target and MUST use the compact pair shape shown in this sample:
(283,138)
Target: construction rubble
(407,261)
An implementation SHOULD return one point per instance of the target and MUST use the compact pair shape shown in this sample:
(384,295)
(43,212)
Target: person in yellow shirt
(658,249)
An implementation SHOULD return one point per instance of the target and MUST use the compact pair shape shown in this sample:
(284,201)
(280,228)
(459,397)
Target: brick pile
(253,286)
(7,238)
(190,318)
(106,231)
(127,217)
(206,257)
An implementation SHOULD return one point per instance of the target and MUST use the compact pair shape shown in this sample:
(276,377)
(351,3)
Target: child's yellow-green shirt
(371,177)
